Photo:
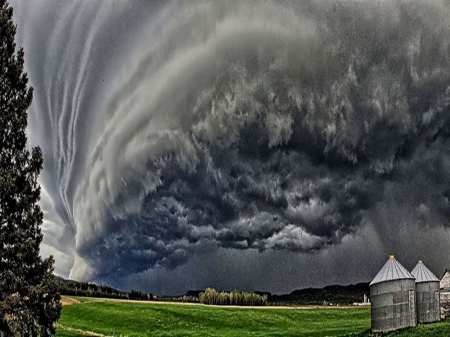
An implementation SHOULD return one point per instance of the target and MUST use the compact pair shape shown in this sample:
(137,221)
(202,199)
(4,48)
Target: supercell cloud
(266,138)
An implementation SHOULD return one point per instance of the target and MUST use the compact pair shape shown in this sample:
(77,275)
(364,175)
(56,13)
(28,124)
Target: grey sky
(243,144)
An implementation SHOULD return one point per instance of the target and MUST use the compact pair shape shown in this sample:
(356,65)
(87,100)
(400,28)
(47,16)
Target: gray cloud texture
(178,135)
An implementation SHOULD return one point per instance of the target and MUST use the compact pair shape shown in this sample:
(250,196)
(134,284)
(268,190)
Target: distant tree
(29,298)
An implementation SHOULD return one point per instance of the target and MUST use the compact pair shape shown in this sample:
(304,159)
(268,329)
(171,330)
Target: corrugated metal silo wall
(393,305)
(427,299)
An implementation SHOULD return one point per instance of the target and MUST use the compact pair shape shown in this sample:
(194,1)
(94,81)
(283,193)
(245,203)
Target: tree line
(235,297)
(83,289)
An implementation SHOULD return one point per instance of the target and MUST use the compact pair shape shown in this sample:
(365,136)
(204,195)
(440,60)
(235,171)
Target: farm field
(94,317)
(98,317)
(440,329)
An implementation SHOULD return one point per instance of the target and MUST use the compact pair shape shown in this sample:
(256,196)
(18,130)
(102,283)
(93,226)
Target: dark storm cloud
(243,127)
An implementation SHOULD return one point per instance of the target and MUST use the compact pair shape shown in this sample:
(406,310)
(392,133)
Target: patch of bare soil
(68,301)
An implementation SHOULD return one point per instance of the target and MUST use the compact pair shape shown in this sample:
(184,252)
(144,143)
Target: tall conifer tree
(29,298)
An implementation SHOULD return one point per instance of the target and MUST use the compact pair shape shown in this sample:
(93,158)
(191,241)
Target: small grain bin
(427,294)
(392,293)
(445,294)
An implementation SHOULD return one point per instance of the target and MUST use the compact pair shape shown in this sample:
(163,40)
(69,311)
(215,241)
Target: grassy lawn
(92,317)
(142,319)
(440,329)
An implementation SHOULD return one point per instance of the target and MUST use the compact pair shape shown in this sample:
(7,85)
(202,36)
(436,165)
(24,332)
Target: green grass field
(91,317)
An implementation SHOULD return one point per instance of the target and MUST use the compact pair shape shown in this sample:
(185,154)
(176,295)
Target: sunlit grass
(142,319)
(88,317)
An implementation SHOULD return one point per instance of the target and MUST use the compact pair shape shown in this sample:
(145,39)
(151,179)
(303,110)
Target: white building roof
(392,270)
(423,274)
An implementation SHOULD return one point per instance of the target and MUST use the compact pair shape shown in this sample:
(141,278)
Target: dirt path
(83,332)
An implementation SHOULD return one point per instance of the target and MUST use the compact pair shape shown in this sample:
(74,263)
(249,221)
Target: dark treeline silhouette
(139,295)
(235,297)
(336,294)
(74,288)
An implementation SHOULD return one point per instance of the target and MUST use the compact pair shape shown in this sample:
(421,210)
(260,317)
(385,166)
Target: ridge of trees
(336,294)
(84,289)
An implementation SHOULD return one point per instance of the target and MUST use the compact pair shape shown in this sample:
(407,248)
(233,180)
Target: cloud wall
(174,132)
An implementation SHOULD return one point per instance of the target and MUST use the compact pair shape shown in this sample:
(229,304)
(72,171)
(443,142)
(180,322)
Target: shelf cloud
(182,137)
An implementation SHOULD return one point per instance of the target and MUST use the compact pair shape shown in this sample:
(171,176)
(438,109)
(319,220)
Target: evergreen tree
(29,298)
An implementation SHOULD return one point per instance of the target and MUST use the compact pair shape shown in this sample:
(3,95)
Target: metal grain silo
(392,293)
(427,294)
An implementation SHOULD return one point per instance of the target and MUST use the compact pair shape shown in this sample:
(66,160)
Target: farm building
(392,293)
(427,294)
(445,294)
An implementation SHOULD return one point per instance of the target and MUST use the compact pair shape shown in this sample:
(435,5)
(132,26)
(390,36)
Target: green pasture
(94,317)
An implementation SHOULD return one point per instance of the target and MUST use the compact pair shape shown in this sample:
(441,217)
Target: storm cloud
(272,132)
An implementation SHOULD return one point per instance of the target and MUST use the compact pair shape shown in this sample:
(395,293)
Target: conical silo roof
(392,270)
(423,274)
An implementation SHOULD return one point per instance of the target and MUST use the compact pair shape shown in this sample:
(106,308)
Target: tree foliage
(29,298)
(236,297)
